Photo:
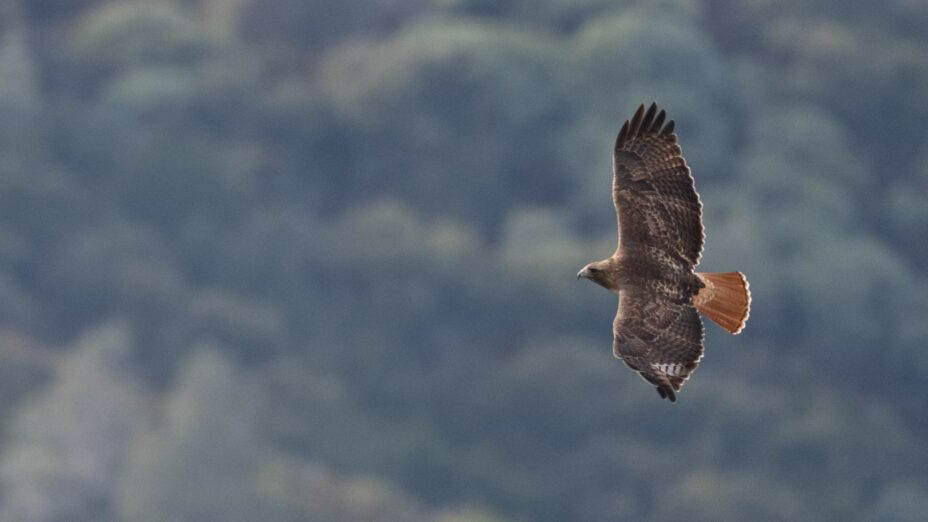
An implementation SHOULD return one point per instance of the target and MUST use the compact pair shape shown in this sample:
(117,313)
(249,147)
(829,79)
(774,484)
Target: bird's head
(602,273)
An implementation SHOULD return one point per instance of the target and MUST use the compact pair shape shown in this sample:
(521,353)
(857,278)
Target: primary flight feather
(657,330)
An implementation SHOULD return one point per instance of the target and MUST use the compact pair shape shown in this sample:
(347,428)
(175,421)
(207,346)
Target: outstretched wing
(657,337)
(653,191)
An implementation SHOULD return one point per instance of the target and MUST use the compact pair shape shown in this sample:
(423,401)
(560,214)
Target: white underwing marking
(673,369)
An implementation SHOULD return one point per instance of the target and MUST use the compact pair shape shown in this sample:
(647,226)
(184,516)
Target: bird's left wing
(660,339)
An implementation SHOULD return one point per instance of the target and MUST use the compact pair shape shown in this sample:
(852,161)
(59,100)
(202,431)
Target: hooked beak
(584,273)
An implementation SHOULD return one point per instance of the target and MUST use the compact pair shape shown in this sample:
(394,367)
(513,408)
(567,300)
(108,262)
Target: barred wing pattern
(660,339)
(653,191)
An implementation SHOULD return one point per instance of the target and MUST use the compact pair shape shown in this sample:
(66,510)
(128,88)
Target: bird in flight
(657,330)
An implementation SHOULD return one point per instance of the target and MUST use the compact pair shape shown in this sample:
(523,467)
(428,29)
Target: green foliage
(120,36)
(68,444)
(202,462)
(312,25)
(372,213)
(446,97)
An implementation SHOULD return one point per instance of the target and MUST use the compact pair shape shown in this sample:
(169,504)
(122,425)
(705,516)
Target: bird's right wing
(654,194)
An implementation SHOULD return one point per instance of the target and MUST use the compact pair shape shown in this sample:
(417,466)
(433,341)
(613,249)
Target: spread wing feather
(660,339)
(653,191)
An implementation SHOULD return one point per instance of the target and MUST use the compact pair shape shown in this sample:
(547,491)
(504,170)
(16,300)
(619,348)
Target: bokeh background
(308,260)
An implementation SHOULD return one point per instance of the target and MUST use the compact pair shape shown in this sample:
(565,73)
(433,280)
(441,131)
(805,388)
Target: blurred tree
(556,14)
(907,215)
(17,70)
(47,11)
(901,500)
(203,462)
(254,329)
(67,444)
(117,36)
(314,26)
(821,55)
(448,97)
(707,496)
(118,268)
(315,493)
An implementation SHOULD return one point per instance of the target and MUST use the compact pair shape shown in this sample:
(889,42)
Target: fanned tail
(725,299)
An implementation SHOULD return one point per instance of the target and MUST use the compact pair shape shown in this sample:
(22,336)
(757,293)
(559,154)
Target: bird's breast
(645,268)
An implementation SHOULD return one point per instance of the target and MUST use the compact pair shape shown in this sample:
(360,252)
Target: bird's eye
(594,269)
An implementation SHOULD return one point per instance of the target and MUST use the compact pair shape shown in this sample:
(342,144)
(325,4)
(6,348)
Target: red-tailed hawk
(657,330)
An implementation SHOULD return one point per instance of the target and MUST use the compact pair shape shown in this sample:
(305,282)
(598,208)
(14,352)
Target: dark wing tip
(636,121)
(623,135)
(656,127)
(644,121)
(649,118)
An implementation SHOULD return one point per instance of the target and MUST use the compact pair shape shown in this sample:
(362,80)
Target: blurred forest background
(300,260)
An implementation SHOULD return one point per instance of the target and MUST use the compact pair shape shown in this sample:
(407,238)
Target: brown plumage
(657,330)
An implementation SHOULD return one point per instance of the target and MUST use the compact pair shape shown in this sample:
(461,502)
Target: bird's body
(641,267)
(657,330)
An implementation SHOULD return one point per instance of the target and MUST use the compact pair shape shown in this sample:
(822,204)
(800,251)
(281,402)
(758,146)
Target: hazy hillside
(290,260)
